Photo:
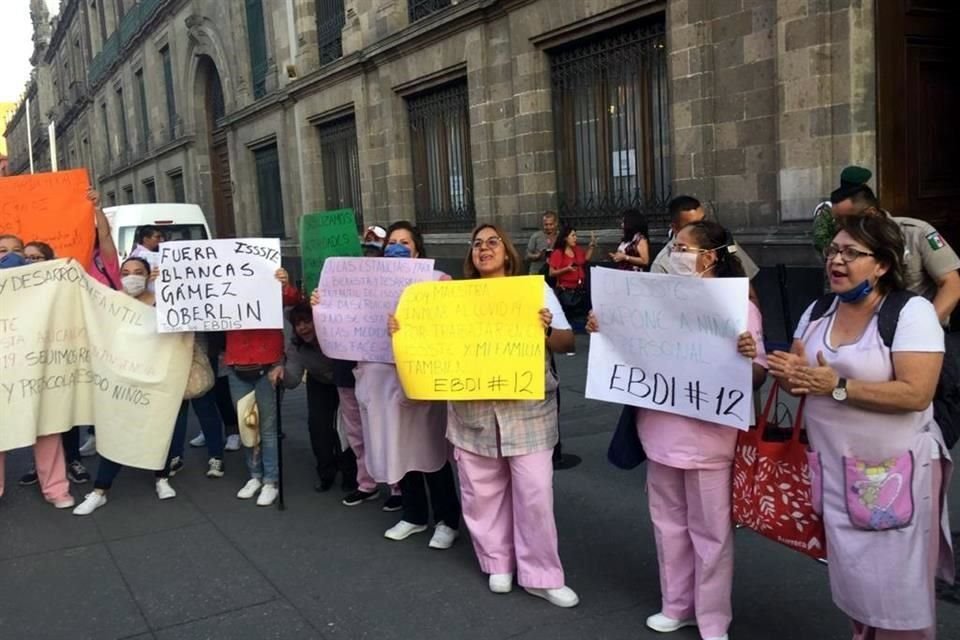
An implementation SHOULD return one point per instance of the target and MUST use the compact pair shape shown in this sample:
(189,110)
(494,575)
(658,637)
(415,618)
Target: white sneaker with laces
(268,495)
(403,530)
(563,597)
(501,582)
(89,447)
(443,537)
(164,490)
(232,444)
(250,489)
(666,624)
(91,502)
(199,441)
(214,468)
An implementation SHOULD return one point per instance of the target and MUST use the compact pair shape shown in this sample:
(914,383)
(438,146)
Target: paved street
(207,565)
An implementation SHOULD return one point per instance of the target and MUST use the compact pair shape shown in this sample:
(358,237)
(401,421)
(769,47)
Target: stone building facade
(457,111)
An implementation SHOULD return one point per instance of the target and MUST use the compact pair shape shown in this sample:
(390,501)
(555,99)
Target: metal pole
(29,137)
(52,132)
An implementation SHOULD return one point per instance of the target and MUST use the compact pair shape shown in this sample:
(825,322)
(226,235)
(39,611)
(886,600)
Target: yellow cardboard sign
(471,339)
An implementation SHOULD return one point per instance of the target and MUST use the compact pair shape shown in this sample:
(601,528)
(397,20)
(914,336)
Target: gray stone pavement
(207,565)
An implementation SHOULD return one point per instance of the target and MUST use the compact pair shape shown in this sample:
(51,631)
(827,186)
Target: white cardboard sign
(670,343)
(219,285)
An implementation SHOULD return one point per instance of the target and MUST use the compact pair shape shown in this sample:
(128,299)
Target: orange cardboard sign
(51,208)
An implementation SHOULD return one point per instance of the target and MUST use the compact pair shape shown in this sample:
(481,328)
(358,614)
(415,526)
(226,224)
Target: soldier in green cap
(931,265)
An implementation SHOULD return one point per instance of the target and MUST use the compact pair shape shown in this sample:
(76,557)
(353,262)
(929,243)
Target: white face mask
(133,285)
(683,263)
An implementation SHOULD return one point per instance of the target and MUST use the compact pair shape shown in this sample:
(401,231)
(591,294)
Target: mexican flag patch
(935,240)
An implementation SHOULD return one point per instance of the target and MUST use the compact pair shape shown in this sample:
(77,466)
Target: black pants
(443,497)
(322,403)
(71,444)
(228,410)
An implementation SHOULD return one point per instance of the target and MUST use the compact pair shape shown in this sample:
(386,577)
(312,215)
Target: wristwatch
(840,391)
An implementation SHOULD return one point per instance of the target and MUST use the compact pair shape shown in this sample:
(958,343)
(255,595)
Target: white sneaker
(164,490)
(91,502)
(250,489)
(723,637)
(65,502)
(563,597)
(501,582)
(666,624)
(232,444)
(89,447)
(214,468)
(199,441)
(403,530)
(443,537)
(268,495)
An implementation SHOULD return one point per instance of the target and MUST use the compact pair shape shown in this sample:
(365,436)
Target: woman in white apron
(879,465)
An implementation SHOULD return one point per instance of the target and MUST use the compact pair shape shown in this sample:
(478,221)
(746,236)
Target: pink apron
(399,434)
(876,491)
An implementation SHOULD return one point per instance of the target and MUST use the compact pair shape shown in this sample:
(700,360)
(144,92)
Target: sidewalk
(207,565)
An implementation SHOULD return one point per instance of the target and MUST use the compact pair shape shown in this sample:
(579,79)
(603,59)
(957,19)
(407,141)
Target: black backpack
(946,401)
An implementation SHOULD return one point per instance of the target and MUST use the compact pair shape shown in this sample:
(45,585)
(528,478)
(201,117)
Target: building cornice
(68,10)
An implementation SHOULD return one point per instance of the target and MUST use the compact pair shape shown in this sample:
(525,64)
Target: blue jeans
(210,424)
(262,462)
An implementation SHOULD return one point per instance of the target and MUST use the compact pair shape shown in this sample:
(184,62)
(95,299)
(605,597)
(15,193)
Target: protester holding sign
(48,456)
(504,451)
(305,360)
(689,467)
(879,465)
(252,355)
(568,269)
(403,438)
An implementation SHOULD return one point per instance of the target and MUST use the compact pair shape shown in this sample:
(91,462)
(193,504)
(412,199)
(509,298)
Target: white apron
(399,434)
(878,577)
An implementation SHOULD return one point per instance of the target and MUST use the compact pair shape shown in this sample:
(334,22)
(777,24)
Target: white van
(177,221)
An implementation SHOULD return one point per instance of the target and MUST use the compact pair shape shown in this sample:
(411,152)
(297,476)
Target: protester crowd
(866,359)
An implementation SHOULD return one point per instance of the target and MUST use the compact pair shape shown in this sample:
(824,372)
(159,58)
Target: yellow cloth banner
(74,352)
(471,339)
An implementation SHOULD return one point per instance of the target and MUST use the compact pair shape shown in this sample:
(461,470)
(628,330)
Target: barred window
(418,9)
(442,170)
(610,122)
(267,162)
(341,166)
(330,21)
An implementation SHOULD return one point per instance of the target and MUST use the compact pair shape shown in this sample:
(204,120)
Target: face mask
(133,285)
(397,251)
(11,259)
(670,233)
(856,294)
(683,263)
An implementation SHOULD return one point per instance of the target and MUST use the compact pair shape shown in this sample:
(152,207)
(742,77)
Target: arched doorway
(210,90)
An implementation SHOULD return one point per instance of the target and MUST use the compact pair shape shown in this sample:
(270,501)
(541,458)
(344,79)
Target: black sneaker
(359,497)
(176,465)
(28,479)
(77,473)
(393,503)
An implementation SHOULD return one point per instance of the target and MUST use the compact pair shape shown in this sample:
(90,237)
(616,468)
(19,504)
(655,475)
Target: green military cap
(852,180)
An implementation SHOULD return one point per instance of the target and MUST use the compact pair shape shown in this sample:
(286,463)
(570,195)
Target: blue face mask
(9,260)
(856,294)
(397,251)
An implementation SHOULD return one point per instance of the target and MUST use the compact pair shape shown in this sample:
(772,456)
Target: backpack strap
(821,306)
(889,314)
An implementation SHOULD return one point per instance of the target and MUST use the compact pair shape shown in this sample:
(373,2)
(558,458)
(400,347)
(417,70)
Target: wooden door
(222,186)
(918,95)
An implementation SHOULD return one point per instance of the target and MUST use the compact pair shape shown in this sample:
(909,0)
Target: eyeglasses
(492,242)
(34,258)
(682,248)
(847,254)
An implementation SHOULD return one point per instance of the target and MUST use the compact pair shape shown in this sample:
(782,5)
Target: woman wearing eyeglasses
(689,465)
(504,450)
(404,439)
(37,252)
(877,457)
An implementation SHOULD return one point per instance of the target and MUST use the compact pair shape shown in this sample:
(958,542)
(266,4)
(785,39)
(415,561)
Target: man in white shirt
(149,239)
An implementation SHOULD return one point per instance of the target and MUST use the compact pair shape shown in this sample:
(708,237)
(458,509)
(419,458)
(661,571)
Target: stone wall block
(805,32)
(756,131)
(733,26)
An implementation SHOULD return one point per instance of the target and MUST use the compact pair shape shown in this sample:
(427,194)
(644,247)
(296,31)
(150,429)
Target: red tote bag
(772,485)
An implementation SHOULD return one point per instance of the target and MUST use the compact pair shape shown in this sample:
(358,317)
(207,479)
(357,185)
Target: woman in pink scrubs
(689,465)
(878,459)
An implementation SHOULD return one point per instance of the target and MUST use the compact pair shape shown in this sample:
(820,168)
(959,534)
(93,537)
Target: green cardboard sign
(324,235)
